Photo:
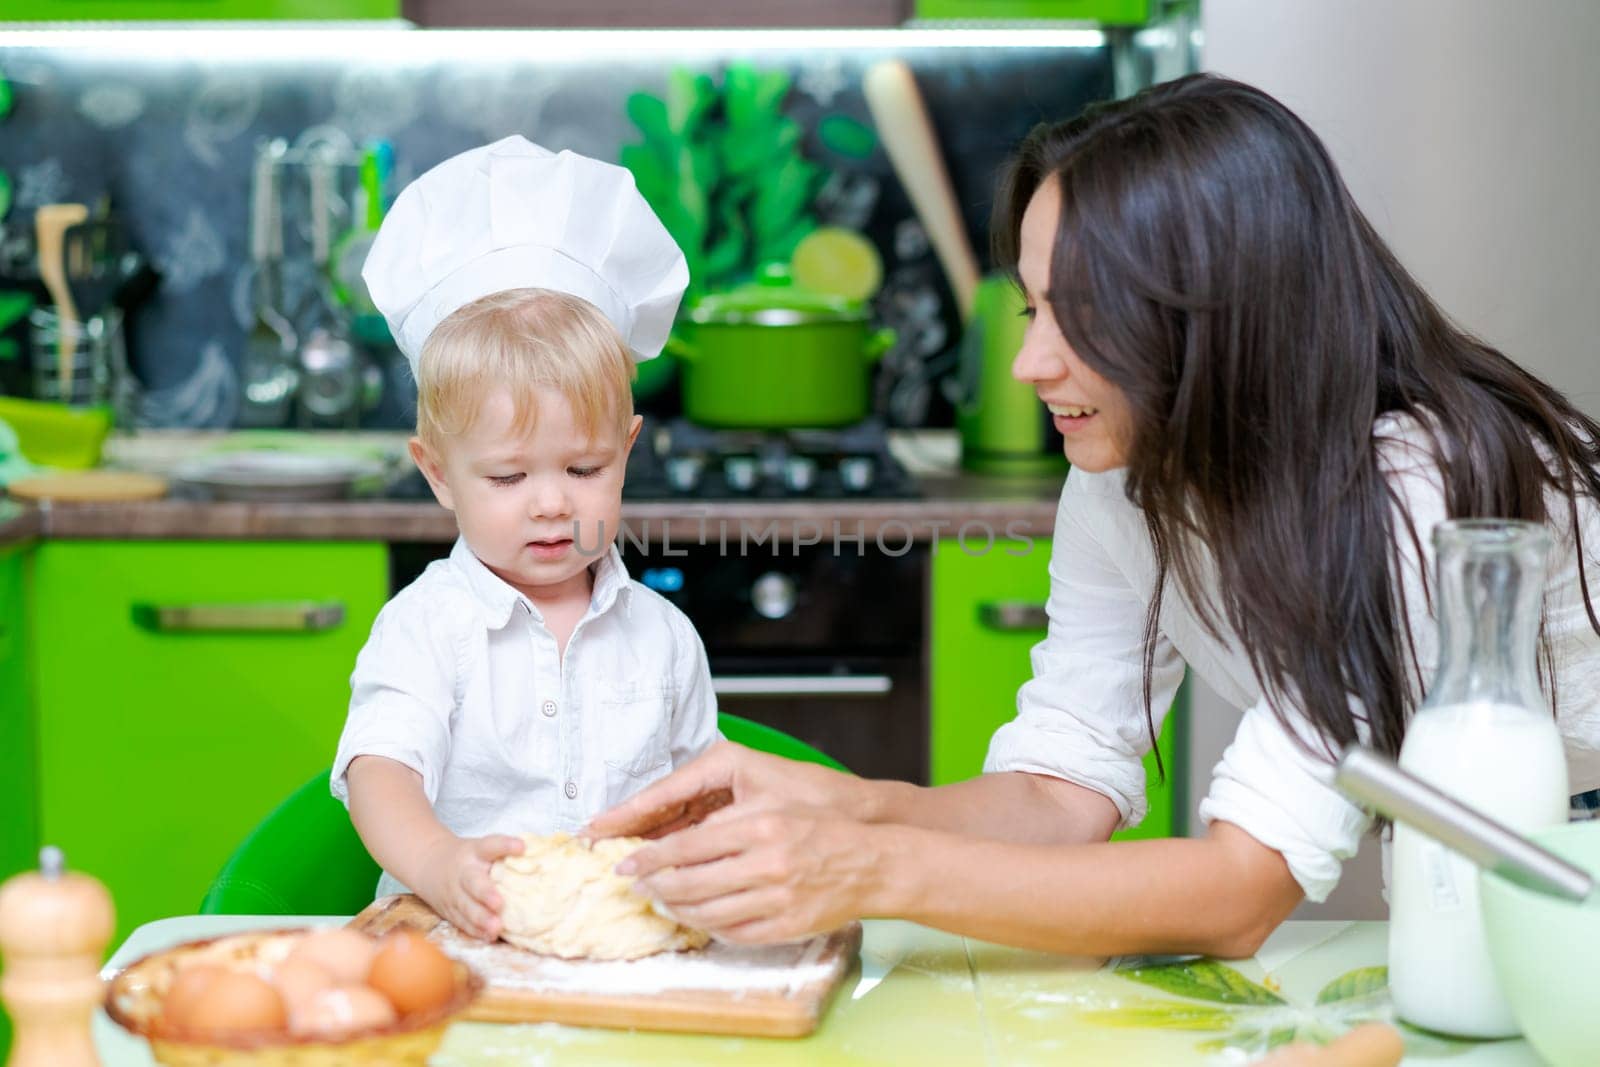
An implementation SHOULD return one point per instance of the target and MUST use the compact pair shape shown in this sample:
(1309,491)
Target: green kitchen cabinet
(197,10)
(183,689)
(1110,12)
(19,782)
(988,612)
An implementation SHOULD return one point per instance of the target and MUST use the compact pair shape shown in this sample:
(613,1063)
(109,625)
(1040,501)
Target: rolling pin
(907,132)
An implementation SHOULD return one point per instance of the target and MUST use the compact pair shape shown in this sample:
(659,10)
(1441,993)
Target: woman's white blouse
(1081,717)
(462,682)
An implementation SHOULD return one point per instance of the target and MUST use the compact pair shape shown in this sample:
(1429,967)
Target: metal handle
(801,685)
(295,617)
(1381,785)
(1011,615)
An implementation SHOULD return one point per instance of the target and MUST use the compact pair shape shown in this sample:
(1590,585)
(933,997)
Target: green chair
(305,858)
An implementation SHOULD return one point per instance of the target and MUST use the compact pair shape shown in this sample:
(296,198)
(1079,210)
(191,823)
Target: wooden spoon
(50,224)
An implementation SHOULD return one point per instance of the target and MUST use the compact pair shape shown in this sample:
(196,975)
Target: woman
(1265,415)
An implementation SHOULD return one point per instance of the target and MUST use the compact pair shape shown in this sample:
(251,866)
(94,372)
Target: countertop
(930,998)
(951,503)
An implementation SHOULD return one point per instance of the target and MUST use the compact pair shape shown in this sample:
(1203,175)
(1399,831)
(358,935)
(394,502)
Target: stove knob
(740,473)
(683,472)
(773,595)
(856,473)
(799,472)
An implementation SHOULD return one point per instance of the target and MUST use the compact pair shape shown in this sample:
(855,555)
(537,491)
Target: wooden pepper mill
(54,927)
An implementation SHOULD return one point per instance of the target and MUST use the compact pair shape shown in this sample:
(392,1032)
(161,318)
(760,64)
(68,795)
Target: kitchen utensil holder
(99,357)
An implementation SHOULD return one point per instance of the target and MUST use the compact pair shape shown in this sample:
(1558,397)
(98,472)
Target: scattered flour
(786,969)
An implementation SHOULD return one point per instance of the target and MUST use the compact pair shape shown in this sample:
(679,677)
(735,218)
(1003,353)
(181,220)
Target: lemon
(837,261)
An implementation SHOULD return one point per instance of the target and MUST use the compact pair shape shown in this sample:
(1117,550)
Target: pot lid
(773,299)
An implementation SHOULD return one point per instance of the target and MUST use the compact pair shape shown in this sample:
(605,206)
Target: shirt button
(572,790)
(548,707)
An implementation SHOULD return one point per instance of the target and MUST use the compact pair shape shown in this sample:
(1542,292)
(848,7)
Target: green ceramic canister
(771,355)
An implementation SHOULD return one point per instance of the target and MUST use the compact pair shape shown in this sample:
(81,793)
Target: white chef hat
(513,215)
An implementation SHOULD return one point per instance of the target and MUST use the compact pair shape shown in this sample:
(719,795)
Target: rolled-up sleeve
(1081,717)
(402,694)
(1281,793)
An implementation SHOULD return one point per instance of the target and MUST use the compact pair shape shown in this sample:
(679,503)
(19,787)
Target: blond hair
(522,340)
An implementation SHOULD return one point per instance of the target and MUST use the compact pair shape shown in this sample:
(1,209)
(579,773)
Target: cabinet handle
(295,617)
(1012,615)
(801,685)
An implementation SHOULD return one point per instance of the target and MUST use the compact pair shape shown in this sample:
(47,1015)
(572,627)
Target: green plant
(723,170)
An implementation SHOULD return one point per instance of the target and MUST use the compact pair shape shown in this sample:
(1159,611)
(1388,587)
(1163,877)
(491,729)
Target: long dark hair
(1211,264)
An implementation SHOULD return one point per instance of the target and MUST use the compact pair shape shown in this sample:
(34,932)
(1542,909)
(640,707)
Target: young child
(524,684)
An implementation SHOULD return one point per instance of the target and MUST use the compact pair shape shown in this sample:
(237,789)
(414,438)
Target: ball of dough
(563,898)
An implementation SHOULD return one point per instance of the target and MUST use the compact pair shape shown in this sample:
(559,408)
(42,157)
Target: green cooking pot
(772,355)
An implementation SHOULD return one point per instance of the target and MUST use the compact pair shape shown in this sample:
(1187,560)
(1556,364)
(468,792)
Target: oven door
(869,713)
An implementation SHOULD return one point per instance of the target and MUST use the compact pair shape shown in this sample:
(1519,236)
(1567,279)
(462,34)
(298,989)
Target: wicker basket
(133,1000)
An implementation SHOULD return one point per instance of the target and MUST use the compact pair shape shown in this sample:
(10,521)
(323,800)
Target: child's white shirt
(462,682)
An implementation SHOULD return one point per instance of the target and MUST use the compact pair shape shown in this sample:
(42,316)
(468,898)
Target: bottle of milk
(1484,735)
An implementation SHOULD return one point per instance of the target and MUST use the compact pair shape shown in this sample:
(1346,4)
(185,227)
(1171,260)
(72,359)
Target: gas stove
(677,459)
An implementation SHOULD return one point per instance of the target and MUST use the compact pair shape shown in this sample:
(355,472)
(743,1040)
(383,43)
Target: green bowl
(1545,952)
(55,435)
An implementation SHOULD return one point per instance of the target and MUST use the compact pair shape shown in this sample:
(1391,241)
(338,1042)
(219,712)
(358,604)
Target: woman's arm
(775,875)
(1013,806)
(1009,806)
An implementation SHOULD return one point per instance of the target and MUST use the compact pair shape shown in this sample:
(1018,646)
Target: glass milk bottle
(1484,735)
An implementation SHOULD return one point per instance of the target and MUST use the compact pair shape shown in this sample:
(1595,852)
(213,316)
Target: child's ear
(428,464)
(633,434)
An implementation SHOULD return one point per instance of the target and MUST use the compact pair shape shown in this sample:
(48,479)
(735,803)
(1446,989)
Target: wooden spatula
(50,224)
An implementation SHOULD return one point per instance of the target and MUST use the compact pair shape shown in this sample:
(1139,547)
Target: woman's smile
(1071,418)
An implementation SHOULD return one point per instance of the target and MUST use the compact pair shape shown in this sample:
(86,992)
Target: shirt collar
(499,600)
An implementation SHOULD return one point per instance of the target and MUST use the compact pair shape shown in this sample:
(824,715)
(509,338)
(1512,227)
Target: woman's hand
(729,773)
(759,875)
(455,881)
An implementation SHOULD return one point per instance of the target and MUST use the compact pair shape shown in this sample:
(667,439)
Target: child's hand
(457,884)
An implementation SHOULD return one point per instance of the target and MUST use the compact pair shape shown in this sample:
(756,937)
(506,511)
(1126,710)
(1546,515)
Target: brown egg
(412,972)
(298,978)
(230,1001)
(186,988)
(339,1011)
(343,953)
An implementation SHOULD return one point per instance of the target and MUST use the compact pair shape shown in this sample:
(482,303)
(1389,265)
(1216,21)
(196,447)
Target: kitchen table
(926,997)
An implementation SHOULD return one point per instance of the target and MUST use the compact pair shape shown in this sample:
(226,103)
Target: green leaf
(649,113)
(5,194)
(1164,1015)
(1204,979)
(724,254)
(847,137)
(783,198)
(770,89)
(649,173)
(1253,1042)
(780,247)
(5,100)
(1353,985)
(703,166)
(689,97)
(13,306)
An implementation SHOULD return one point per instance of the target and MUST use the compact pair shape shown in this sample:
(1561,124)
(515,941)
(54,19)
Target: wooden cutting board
(772,991)
(89,486)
